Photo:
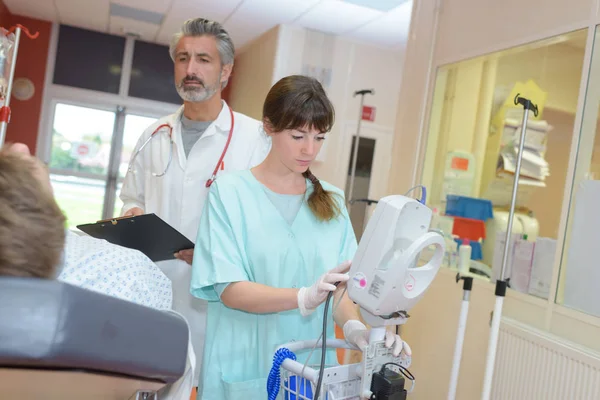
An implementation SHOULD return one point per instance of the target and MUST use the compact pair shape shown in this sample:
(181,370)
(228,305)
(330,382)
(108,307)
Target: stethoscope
(169,129)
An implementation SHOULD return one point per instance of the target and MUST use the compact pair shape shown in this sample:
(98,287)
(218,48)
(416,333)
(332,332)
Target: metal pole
(362,94)
(460,335)
(501,283)
(4,124)
(112,179)
(514,195)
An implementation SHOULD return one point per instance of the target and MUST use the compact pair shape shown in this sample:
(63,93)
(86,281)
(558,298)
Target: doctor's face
(198,70)
(296,148)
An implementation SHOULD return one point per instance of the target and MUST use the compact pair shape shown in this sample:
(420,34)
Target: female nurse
(272,243)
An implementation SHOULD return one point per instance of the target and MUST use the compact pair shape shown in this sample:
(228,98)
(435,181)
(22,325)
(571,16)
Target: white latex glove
(356,333)
(310,298)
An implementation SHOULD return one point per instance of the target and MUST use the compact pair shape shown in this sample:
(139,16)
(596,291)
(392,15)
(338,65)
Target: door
(372,170)
(89,154)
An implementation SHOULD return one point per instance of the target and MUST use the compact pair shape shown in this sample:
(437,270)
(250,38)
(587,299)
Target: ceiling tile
(86,14)
(391,29)
(244,19)
(44,10)
(255,17)
(347,17)
(270,12)
(122,26)
(183,10)
(157,6)
(212,9)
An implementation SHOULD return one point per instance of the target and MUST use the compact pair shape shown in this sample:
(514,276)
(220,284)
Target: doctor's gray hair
(204,27)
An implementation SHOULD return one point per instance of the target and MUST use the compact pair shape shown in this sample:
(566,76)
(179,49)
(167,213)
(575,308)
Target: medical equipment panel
(385,280)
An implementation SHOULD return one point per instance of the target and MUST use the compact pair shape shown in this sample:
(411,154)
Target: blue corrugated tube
(274,380)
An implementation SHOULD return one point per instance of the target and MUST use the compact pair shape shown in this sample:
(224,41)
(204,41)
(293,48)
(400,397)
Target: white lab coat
(178,197)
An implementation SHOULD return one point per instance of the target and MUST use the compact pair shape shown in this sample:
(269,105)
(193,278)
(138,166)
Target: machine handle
(418,279)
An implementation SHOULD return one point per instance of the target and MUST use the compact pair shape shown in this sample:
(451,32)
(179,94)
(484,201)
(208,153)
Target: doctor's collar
(223,121)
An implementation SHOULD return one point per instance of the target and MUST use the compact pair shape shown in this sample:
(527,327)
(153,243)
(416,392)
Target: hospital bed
(58,341)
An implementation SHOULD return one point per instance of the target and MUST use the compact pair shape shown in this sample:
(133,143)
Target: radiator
(532,365)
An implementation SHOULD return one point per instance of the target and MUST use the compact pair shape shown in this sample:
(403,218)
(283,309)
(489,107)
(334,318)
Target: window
(90,135)
(152,73)
(81,143)
(89,60)
(470,157)
(81,157)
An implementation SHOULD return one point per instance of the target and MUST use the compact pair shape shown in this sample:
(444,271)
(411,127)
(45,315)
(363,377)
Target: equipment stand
(460,335)
(362,94)
(501,283)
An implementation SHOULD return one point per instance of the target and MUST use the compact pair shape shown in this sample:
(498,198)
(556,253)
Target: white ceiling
(245,20)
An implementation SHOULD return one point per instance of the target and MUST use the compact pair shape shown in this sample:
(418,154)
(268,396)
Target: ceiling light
(379,5)
(137,14)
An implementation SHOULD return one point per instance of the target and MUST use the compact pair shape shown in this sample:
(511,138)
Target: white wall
(473,27)
(253,74)
(412,102)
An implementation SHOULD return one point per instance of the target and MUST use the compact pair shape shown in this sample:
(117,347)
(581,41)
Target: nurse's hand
(185,255)
(133,212)
(356,333)
(310,298)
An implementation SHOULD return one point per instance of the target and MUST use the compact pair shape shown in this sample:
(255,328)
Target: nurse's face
(198,70)
(297,148)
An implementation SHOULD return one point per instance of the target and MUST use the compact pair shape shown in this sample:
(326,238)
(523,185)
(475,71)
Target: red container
(467,228)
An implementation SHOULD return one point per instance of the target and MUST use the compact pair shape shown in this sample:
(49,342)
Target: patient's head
(32,231)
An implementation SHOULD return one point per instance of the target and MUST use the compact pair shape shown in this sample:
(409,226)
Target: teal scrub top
(243,237)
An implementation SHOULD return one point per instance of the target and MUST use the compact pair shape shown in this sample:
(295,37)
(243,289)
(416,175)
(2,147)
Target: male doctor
(208,140)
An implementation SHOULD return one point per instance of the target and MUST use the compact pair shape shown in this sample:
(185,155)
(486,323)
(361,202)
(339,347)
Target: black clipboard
(147,233)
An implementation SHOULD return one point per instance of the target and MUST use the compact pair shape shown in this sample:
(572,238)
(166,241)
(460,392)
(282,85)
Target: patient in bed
(34,243)
(103,267)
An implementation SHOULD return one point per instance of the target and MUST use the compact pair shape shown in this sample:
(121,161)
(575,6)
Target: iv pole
(460,335)
(5,109)
(362,94)
(501,283)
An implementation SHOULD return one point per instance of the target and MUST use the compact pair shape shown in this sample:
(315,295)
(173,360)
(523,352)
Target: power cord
(323,346)
(423,193)
(407,374)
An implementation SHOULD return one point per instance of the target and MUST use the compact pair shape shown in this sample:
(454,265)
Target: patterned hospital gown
(113,270)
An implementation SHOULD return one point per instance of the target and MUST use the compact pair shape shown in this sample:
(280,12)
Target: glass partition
(470,159)
(579,273)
